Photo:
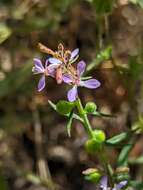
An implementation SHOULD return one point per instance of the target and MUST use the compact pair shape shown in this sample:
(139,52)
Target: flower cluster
(62,66)
(104,184)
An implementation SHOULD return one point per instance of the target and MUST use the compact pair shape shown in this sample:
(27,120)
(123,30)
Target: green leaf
(52,105)
(64,107)
(100,114)
(117,139)
(75,116)
(69,124)
(123,157)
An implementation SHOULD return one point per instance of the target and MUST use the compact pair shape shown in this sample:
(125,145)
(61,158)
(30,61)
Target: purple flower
(57,62)
(74,55)
(104,184)
(77,81)
(40,69)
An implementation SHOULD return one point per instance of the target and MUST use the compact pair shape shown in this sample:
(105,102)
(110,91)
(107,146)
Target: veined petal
(67,78)
(81,67)
(46,63)
(37,70)
(121,185)
(72,94)
(74,53)
(103,182)
(52,67)
(54,60)
(91,83)
(38,63)
(41,83)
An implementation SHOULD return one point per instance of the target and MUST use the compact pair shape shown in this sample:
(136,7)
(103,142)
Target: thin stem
(83,115)
(88,128)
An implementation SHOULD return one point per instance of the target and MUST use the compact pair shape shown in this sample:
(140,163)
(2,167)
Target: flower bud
(90,107)
(99,135)
(122,174)
(92,146)
(92,174)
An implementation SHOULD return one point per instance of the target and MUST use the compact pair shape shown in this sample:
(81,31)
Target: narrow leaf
(100,114)
(123,157)
(69,124)
(52,105)
(117,139)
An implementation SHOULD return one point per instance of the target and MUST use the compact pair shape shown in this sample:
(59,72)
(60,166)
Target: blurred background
(34,144)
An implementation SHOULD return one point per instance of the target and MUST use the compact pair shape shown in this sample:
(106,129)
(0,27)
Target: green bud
(92,174)
(122,173)
(90,107)
(92,146)
(122,177)
(99,135)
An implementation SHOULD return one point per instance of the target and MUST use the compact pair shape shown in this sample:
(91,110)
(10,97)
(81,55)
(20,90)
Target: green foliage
(64,107)
(123,157)
(137,184)
(75,116)
(138,126)
(103,55)
(100,114)
(69,124)
(102,6)
(115,140)
(138,2)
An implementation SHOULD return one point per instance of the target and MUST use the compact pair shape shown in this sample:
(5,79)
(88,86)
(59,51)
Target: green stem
(88,128)
(83,115)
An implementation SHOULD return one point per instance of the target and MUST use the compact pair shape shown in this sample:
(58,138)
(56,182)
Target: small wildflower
(40,69)
(104,184)
(62,60)
(77,81)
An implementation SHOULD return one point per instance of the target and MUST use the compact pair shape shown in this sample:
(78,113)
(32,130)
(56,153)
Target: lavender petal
(72,94)
(67,79)
(37,70)
(91,83)
(74,53)
(81,67)
(103,182)
(121,185)
(38,63)
(52,67)
(54,60)
(41,83)
(46,63)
